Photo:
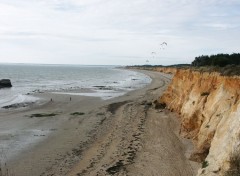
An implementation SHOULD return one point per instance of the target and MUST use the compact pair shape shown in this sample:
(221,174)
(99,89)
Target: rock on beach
(5,83)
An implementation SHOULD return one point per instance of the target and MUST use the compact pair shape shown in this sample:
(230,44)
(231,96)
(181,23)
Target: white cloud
(116,32)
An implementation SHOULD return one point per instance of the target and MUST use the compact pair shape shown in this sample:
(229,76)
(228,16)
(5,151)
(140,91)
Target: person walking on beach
(70,98)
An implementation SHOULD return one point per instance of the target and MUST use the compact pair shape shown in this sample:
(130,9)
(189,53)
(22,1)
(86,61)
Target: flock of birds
(162,47)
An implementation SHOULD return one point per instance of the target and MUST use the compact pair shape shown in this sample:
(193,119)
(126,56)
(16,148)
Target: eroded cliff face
(209,109)
(168,70)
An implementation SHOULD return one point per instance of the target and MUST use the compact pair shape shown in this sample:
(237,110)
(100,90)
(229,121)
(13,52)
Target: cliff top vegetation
(220,60)
(225,64)
(229,70)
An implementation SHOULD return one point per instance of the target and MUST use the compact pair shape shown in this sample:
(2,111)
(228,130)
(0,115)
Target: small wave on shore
(10,99)
(104,94)
(28,80)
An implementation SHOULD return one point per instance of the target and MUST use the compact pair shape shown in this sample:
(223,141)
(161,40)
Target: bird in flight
(163,44)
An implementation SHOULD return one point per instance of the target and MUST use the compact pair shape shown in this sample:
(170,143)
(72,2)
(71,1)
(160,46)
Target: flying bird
(163,44)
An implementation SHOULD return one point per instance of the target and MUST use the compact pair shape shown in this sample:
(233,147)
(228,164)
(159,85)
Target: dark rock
(116,168)
(99,86)
(149,103)
(4,83)
(115,106)
(18,105)
(159,105)
(103,87)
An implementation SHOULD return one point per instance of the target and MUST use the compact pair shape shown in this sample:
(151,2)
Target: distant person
(70,98)
(51,99)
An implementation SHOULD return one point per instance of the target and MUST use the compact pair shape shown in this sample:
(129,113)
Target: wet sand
(120,136)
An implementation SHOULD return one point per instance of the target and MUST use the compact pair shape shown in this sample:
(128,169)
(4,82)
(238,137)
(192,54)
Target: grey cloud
(117,29)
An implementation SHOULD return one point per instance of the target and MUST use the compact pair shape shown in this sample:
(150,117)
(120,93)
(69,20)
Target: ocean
(104,81)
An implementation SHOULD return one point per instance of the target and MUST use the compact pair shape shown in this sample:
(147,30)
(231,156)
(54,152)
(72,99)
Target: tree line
(217,60)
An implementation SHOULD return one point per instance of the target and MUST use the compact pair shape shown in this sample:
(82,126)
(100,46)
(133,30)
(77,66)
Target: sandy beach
(125,135)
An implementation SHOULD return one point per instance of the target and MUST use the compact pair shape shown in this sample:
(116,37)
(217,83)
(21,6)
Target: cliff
(168,70)
(209,109)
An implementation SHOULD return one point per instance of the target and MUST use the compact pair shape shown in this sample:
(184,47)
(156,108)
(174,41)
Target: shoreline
(110,88)
(73,140)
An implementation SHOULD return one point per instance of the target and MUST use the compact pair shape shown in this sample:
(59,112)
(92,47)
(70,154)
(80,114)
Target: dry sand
(120,136)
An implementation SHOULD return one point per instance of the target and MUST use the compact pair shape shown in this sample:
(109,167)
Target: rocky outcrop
(4,83)
(209,109)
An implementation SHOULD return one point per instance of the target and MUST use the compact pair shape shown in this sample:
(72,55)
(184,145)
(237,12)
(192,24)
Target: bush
(205,164)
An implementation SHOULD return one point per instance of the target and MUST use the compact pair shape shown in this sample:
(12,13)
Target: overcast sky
(116,32)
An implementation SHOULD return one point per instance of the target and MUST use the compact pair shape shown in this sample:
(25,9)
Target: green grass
(77,113)
(43,115)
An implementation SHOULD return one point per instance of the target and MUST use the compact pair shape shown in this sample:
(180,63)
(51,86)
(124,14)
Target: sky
(117,32)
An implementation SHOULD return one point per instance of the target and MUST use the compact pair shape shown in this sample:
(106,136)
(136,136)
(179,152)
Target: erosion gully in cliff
(209,110)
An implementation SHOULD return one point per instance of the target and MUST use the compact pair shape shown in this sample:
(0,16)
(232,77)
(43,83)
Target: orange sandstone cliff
(168,70)
(209,109)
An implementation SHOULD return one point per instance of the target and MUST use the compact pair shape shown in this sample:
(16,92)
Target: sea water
(103,81)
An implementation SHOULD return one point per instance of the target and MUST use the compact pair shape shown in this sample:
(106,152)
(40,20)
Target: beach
(86,135)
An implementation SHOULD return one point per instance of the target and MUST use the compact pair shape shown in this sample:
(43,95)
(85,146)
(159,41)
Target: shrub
(205,164)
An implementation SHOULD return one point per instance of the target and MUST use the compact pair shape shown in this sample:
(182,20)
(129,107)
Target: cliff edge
(209,109)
